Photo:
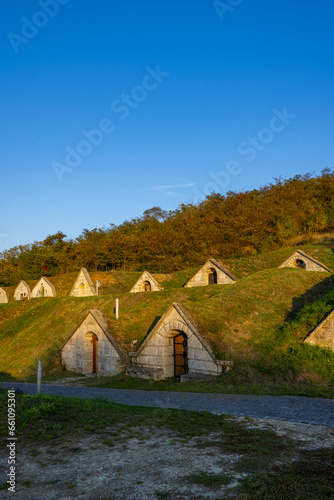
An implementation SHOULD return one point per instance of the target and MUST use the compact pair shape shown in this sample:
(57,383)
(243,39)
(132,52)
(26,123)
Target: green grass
(274,466)
(258,322)
(245,266)
(50,418)
(310,478)
(237,381)
(230,317)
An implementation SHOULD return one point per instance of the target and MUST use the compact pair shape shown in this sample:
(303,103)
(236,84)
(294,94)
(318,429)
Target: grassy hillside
(248,322)
(118,282)
(112,282)
(258,322)
(244,266)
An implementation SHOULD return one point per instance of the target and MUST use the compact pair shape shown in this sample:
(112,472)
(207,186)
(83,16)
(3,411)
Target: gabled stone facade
(146,283)
(4,296)
(92,349)
(300,259)
(175,348)
(323,334)
(44,288)
(22,291)
(213,272)
(83,285)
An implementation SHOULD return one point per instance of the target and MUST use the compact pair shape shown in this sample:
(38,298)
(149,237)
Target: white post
(39,375)
(117,308)
(97,287)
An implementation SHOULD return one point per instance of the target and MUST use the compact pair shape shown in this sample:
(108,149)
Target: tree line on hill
(234,224)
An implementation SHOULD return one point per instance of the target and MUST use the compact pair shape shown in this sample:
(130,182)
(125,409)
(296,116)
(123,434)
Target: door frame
(185,351)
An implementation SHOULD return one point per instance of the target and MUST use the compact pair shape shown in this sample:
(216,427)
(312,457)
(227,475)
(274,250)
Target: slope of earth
(241,321)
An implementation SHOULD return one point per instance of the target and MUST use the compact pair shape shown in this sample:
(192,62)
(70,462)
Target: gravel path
(291,408)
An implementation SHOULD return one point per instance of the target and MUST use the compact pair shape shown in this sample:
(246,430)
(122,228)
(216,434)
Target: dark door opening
(213,277)
(180,355)
(147,286)
(300,263)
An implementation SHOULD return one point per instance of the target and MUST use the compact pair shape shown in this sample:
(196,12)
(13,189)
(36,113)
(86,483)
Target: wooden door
(212,277)
(180,355)
(95,341)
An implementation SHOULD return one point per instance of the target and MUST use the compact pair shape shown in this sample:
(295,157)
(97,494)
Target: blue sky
(187,97)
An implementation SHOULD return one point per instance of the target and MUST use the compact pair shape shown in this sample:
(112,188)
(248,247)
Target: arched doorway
(147,286)
(42,290)
(300,264)
(180,354)
(82,288)
(92,341)
(212,277)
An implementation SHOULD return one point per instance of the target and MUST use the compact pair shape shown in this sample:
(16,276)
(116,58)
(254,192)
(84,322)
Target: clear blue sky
(204,89)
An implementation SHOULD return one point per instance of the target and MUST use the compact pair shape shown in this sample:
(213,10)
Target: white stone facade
(156,353)
(300,259)
(323,334)
(22,291)
(4,296)
(146,283)
(83,285)
(77,353)
(212,272)
(44,288)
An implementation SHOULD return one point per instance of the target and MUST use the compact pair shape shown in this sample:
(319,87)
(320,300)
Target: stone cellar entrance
(180,354)
(212,277)
(147,286)
(300,264)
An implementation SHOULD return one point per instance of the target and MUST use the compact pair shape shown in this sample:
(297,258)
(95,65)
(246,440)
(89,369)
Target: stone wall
(22,291)
(309,264)
(201,278)
(158,350)
(83,286)
(4,297)
(49,290)
(77,354)
(323,335)
(139,286)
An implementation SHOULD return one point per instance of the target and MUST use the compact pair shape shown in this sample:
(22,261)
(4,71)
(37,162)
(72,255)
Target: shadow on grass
(7,377)
(310,478)
(319,291)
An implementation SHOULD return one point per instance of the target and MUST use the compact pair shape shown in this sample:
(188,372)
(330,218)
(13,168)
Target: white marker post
(97,287)
(39,375)
(117,308)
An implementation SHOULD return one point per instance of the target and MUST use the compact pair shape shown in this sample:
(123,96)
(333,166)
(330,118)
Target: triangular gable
(312,264)
(4,296)
(102,323)
(83,277)
(323,334)
(220,266)
(181,320)
(223,274)
(25,286)
(47,282)
(146,276)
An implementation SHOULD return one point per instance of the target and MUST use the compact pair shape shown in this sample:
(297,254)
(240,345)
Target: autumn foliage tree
(233,224)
